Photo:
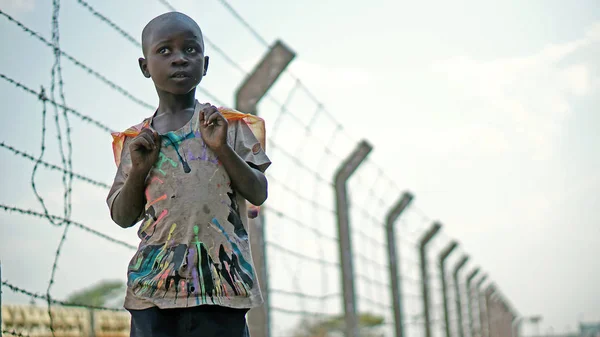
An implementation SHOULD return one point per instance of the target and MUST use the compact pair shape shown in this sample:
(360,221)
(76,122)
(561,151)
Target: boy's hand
(144,150)
(213,127)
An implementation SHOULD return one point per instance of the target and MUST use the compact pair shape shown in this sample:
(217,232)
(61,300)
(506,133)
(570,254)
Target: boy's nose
(180,60)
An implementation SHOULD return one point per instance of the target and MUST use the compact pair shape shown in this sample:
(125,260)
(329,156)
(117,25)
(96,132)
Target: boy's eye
(163,50)
(190,49)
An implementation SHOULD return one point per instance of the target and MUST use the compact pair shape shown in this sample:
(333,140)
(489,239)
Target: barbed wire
(245,23)
(41,96)
(22,291)
(39,159)
(67,162)
(53,167)
(110,23)
(32,213)
(78,63)
(56,76)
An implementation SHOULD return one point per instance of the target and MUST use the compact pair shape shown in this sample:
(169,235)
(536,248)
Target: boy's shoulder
(255,124)
(118,138)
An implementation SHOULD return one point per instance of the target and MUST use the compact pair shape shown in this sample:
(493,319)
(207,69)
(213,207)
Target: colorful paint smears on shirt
(194,245)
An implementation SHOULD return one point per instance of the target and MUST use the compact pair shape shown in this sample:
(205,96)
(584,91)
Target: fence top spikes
(448,250)
(461,263)
(472,275)
(435,228)
(399,207)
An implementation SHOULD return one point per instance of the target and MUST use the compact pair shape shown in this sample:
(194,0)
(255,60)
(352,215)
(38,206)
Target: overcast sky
(486,110)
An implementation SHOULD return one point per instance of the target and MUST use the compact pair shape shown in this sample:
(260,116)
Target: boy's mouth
(180,74)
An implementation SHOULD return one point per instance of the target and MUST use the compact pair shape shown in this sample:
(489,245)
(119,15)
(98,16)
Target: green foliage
(324,327)
(99,294)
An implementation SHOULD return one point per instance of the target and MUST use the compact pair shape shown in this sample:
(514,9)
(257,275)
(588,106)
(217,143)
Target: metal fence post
(500,321)
(517,326)
(490,314)
(343,173)
(507,320)
(516,322)
(394,261)
(506,330)
(480,307)
(508,317)
(250,92)
(457,268)
(470,313)
(425,239)
(443,256)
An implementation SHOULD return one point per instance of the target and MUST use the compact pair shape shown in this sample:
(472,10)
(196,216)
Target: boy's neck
(169,103)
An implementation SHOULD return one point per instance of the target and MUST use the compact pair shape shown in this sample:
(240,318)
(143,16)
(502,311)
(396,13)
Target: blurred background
(485,112)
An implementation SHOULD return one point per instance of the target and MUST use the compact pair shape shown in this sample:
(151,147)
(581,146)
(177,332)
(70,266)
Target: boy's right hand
(144,150)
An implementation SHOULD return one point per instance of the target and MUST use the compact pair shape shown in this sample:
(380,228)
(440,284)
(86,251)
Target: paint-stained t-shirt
(194,247)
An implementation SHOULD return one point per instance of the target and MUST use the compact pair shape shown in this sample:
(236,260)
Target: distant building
(589,329)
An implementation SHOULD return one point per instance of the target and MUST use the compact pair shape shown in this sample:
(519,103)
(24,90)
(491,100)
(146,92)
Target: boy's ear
(144,67)
(205,65)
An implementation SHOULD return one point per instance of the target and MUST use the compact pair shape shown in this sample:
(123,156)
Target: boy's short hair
(166,17)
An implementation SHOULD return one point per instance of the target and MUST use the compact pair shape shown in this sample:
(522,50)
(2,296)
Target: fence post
(250,92)
(500,320)
(425,239)
(506,328)
(508,320)
(505,313)
(480,307)
(490,316)
(443,256)
(457,268)
(343,173)
(517,326)
(394,261)
(516,321)
(470,313)
(508,317)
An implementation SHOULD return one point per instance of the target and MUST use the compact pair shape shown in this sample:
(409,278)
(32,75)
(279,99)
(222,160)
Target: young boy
(186,173)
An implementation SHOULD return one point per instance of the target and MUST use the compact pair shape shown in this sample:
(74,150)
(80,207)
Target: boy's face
(174,56)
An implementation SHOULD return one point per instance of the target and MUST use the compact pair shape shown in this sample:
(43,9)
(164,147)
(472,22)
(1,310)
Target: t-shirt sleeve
(247,146)
(120,178)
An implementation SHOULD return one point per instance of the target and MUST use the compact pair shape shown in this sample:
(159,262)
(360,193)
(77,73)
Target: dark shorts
(205,321)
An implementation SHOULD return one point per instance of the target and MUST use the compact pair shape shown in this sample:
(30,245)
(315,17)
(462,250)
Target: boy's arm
(240,153)
(127,202)
(126,199)
(249,182)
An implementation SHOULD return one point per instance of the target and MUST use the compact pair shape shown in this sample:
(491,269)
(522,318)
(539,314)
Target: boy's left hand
(213,127)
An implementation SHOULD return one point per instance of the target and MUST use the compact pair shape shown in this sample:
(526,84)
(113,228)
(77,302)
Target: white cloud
(529,96)
(18,5)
